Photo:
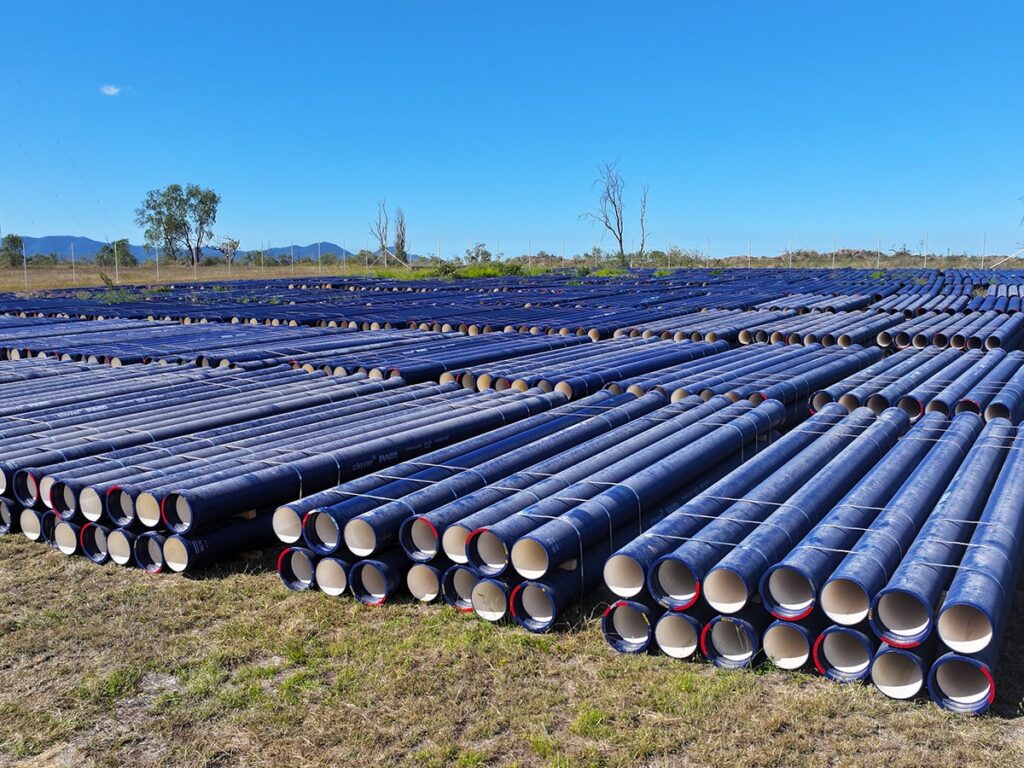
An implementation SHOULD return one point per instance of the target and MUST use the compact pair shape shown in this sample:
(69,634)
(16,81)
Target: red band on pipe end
(512,599)
(280,558)
(888,640)
(814,654)
(797,617)
(991,683)
(704,640)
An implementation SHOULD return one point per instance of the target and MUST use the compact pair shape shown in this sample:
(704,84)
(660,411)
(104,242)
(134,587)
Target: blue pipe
(846,596)
(296,567)
(677,633)
(675,579)
(93,540)
(903,612)
(1009,402)
(374,580)
(423,582)
(65,538)
(627,625)
(790,589)
(149,551)
(488,547)
(982,393)
(963,683)
(946,400)
(843,653)
(379,527)
(731,582)
(490,597)
(789,644)
(734,642)
(121,546)
(562,539)
(493,503)
(10,513)
(916,401)
(626,571)
(185,554)
(977,606)
(457,585)
(901,673)
(331,574)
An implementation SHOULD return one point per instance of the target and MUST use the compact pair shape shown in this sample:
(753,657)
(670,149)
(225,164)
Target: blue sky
(487,121)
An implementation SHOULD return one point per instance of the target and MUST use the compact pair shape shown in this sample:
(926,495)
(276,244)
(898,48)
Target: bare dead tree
(643,225)
(610,206)
(400,246)
(379,230)
(228,248)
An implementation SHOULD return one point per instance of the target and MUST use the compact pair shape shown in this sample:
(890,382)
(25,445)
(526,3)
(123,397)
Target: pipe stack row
(858,544)
(930,380)
(142,459)
(531,517)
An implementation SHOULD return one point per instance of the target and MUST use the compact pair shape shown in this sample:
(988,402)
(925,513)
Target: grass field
(86,274)
(109,667)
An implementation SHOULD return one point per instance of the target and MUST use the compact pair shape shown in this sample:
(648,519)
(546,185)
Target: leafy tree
(43,260)
(180,220)
(11,248)
(478,254)
(364,256)
(329,259)
(125,258)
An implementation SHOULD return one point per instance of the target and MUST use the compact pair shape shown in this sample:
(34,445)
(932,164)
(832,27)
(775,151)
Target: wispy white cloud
(110,90)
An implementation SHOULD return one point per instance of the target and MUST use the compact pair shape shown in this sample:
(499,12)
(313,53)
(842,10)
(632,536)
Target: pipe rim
(729,642)
(529,558)
(360,538)
(369,582)
(897,674)
(844,654)
(725,591)
(672,584)
(623,575)
(175,554)
(677,635)
(490,600)
(423,582)
(845,602)
(961,684)
(331,576)
(965,628)
(786,646)
(287,525)
(120,547)
(626,627)
(296,569)
(533,607)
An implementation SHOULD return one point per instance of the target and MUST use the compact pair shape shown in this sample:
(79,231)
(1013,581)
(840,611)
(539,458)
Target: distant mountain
(86,248)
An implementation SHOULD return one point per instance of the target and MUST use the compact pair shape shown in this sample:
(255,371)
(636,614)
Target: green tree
(478,254)
(11,248)
(125,258)
(179,220)
(43,260)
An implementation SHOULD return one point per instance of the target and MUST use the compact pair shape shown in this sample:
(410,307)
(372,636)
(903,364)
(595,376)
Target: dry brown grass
(101,666)
(86,275)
